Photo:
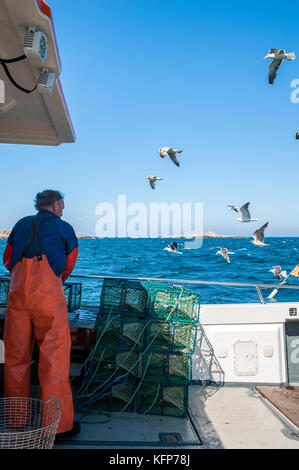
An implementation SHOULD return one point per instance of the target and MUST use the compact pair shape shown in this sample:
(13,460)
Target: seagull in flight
(224,252)
(278,272)
(278,56)
(173,248)
(163,151)
(245,214)
(152,180)
(258,236)
(233,208)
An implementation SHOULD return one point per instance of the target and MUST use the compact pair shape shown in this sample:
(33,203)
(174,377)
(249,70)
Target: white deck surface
(225,418)
(240,418)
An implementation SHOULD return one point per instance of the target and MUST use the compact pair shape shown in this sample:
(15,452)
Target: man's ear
(55,206)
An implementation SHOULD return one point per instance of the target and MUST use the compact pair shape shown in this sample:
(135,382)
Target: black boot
(71,433)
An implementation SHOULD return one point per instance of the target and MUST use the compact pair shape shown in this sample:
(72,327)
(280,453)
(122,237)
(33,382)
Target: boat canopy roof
(26,116)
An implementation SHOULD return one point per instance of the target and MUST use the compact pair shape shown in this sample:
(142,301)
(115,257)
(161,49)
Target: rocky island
(5,234)
(210,235)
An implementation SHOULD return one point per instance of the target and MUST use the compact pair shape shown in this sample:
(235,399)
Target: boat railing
(257,286)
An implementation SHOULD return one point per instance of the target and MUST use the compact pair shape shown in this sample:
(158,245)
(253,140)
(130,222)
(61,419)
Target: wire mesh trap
(72,291)
(107,366)
(4,288)
(172,303)
(171,337)
(118,334)
(166,368)
(146,334)
(125,298)
(161,399)
(119,397)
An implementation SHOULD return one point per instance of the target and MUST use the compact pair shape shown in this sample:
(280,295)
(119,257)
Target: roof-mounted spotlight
(36,44)
(46,82)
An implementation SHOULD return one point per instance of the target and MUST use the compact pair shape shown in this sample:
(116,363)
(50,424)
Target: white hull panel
(243,343)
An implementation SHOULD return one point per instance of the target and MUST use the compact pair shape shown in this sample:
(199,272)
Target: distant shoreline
(205,235)
(4,234)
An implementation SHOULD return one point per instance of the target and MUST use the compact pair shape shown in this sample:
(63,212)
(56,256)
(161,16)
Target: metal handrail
(188,281)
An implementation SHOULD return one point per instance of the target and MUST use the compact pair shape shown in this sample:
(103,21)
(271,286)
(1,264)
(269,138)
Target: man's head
(51,201)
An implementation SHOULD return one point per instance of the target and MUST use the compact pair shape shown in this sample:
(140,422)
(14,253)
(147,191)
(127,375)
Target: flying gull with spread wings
(163,151)
(152,180)
(278,56)
(224,252)
(258,236)
(278,272)
(246,217)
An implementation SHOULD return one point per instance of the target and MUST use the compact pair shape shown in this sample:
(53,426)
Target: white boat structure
(244,390)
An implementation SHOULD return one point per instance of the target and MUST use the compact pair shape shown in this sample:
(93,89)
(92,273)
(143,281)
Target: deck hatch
(170,437)
(245,358)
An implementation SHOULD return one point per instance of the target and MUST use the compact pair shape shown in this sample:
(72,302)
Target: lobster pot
(113,334)
(125,298)
(72,291)
(161,399)
(106,367)
(171,337)
(166,368)
(172,303)
(118,397)
(4,288)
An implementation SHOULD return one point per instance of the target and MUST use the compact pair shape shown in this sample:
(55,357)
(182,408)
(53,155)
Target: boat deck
(230,417)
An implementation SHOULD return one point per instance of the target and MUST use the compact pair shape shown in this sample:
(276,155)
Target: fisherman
(40,254)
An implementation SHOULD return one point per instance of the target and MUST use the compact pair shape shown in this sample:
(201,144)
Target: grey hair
(47,198)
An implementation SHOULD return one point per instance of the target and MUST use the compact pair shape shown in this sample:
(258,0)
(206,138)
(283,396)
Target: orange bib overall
(37,310)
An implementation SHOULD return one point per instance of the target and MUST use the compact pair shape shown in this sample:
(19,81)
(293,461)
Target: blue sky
(143,74)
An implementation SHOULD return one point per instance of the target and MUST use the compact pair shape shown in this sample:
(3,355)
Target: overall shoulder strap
(34,233)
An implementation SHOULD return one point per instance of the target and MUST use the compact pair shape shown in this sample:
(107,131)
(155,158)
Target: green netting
(72,291)
(166,368)
(171,337)
(115,398)
(4,288)
(109,366)
(172,303)
(167,400)
(125,298)
(116,334)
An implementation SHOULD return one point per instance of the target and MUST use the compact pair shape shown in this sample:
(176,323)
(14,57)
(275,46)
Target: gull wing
(233,208)
(273,67)
(152,183)
(172,155)
(174,159)
(245,211)
(274,51)
(259,233)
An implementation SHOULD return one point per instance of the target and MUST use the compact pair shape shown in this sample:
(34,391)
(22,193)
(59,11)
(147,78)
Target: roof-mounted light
(46,82)
(36,44)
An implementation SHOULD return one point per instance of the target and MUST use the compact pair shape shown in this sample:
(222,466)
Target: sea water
(146,257)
